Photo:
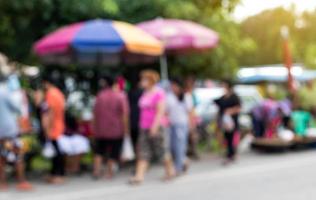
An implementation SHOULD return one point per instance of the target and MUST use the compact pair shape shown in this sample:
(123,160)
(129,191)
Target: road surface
(288,176)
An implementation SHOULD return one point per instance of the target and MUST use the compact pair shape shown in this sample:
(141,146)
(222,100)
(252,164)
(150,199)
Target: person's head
(47,81)
(189,83)
(107,81)
(177,87)
(228,85)
(149,78)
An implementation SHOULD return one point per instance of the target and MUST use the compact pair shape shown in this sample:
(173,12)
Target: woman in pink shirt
(151,143)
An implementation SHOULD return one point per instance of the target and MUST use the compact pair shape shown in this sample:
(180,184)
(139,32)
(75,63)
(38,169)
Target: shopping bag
(48,150)
(127,151)
(228,123)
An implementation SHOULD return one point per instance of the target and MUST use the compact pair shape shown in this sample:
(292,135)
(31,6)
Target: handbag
(128,153)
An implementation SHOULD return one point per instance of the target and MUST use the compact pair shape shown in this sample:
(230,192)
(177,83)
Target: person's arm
(47,118)
(191,113)
(94,110)
(161,109)
(48,114)
(13,106)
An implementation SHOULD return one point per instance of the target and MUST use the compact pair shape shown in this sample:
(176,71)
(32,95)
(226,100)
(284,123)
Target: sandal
(168,178)
(24,186)
(135,181)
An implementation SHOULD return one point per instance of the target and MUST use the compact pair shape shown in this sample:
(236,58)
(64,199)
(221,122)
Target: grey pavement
(256,176)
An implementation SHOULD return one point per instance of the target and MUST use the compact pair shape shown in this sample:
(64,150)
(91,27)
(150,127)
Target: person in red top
(54,127)
(111,113)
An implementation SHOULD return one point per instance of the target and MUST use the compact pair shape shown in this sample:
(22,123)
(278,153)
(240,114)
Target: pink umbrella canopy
(181,35)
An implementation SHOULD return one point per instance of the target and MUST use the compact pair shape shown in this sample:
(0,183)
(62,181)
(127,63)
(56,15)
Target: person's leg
(61,162)
(97,165)
(114,157)
(134,137)
(69,164)
(143,157)
(58,165)
(184,147)
(161,147)
(193,142)
(262,128)
(3,181)
(77,161)
(173,141)
(98,158)
(255,126)
(180,142)
(229,136)
(22,183)
(20,167)
(141,168)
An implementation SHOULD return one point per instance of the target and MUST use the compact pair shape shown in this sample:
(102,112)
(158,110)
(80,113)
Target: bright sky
(252,7)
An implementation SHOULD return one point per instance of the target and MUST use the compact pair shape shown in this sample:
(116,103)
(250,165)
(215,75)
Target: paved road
(290,176)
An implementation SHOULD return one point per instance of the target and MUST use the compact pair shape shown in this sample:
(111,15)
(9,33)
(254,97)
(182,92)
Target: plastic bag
(127,151)
(286,135)
(228,123)
(48,150)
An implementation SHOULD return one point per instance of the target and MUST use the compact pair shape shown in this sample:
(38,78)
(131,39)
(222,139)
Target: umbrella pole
(164,67)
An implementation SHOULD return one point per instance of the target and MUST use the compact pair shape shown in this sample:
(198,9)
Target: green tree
(264,29)
(24,22)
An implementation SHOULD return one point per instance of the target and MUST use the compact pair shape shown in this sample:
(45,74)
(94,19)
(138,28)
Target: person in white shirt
(179,108)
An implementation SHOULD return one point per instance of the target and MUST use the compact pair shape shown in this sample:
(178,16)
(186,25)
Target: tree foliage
(264,30)
(24,22)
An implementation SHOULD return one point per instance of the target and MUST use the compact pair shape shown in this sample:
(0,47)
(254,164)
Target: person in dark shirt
(229,108)
(133,98)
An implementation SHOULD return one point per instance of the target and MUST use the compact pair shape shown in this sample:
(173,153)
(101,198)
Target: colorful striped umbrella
(96,41)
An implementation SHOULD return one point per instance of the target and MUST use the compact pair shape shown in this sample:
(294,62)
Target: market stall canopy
(274,73)
(97,42)
(180,35)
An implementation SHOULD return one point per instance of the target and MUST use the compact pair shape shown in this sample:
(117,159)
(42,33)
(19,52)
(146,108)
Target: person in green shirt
(301,121)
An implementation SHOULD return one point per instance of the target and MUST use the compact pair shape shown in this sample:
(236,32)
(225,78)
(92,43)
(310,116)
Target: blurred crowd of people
(152,122)
(290,119)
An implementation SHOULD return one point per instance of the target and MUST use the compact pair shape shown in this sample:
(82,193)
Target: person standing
(152,139)
(111,112)
(229,109)
(53,120)
(133,98)
(10,145)
(179,109)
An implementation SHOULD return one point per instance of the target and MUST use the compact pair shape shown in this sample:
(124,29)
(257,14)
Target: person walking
(10,145)
(229,109)
(179,109)
(53,121)
(111,112)
(152,139)
(133,98)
